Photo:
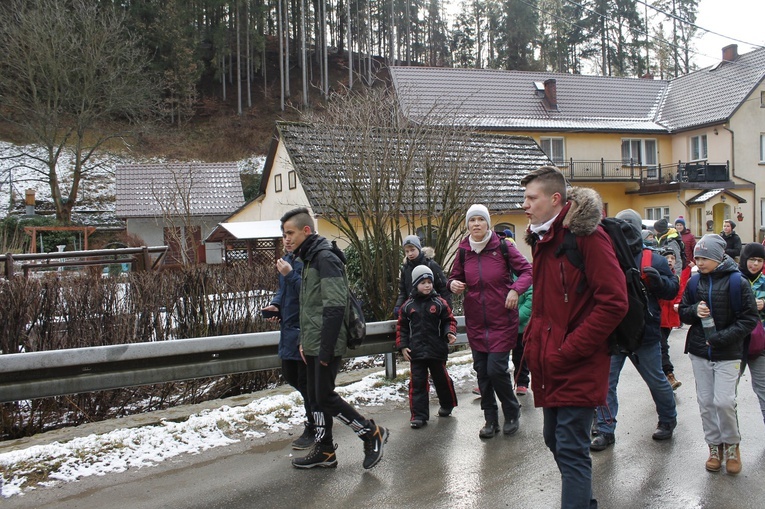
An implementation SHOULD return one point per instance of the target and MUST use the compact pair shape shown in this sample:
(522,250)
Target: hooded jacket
(323,300)
(566,340)
(756,280)
(405,278)
(423,323)
(490,326)
(733,244)
(287,299)
(727,343)
(689,243)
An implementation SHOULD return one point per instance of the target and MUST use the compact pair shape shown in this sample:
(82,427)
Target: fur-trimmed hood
(582,213)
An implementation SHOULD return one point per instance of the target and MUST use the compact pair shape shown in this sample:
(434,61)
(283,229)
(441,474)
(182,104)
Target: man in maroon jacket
(566,340)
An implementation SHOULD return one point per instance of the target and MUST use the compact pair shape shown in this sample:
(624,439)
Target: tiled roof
(326,157)
(500,99)
(151,190)
(496,99)
(712,94)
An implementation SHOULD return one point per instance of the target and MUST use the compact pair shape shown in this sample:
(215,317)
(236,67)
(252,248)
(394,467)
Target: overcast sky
(739,19)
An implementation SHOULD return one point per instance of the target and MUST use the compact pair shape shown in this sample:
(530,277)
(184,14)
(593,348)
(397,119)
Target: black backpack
(355,322)
(628,335)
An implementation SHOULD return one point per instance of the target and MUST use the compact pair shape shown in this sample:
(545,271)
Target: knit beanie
(478,210)
(753,250)
(413,240)
(645,234)
(661,226)
(632,218)
(732,223)
(680,220)
(710,246)
(419,273)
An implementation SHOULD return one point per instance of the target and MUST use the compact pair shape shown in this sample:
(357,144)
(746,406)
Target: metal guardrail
(140,258)
(60,372)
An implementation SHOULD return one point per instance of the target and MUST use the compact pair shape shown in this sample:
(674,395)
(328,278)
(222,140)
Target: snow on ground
(121,449)
(20,170)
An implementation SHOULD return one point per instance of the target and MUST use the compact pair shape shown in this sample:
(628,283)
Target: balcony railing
(631,171)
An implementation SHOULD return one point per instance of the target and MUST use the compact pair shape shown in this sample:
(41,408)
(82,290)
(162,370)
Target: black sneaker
(489,430)
(664,430)
(322,455)
(306,440)
(444,412)
(511,426)
(417,423)
(374,440)
(602,441)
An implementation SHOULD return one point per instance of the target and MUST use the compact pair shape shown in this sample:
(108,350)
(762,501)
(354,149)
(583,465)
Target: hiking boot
(714,462)
(322,455)
(673,382)
(664,430)
(417,423)
(521,390)
(306,440)
(374,440)
(732,459)
(477,391)
(489,430)
(602,441)
(444,412)
(511,426)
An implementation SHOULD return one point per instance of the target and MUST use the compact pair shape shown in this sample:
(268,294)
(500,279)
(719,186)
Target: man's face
(294,236)
(539,207)
(411,252)
(727,228)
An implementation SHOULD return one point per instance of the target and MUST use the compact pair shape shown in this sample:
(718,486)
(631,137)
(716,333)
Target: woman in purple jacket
(485,272)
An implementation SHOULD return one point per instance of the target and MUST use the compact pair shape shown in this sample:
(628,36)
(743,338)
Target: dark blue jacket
(287,299)
(668,290)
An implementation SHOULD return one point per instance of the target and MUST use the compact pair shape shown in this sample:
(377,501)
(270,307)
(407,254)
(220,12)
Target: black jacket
(727,342)
(423,323)
(733,244)
(666,290)
(405,280)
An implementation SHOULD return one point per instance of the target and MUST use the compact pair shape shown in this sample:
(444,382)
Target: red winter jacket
(490,327)
(689,243)
(566,341)
(669,317)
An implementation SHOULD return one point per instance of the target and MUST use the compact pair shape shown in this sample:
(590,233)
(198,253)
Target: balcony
(631,171)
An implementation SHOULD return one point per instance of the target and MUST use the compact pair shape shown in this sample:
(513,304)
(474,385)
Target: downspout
(733,174)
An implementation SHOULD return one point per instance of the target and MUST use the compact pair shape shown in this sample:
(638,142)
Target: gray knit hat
(478,210)
(632,218)
(419,273)
(710,246)
(413,240)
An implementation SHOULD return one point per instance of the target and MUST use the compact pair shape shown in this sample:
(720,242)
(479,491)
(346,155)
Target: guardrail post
(602,169)
(390,366)
(8,266)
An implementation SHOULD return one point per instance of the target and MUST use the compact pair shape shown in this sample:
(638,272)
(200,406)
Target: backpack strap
(692,286)
(734,286)
(570,248)
(502,247)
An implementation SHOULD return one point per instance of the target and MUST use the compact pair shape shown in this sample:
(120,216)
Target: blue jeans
(566,432)
(647,360)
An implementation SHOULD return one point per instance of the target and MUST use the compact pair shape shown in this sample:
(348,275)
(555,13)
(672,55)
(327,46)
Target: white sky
(741,19)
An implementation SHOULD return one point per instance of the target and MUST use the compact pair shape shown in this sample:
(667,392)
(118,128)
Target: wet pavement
(445,464)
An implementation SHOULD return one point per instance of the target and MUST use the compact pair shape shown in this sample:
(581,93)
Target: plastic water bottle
(708,323)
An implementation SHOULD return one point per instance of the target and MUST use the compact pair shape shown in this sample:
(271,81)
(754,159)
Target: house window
(762,99)
(292,179)
(501,227)
(762,148)
(640,152)
(555,150)
(278,183)
(699,147)
(656,213)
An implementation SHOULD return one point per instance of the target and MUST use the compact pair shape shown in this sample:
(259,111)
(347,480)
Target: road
(445,464)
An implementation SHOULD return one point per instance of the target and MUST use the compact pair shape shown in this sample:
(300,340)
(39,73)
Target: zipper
(563,281)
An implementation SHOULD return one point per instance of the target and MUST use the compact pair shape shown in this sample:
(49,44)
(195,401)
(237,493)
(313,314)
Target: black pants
(326,403)
(294,372)
(519,363)
(419,388)
(666,364)
(494,378)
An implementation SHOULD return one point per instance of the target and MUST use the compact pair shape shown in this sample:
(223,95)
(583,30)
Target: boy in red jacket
(671,319)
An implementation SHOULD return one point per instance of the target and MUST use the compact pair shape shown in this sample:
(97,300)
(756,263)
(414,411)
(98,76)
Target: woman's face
(477,227)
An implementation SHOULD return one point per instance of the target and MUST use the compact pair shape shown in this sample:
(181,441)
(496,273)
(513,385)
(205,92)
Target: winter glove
(653,278)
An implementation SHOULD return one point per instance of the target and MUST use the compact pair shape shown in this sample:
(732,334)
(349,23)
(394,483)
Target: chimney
(551,94)
(29,200)
(647,76)
(730,53)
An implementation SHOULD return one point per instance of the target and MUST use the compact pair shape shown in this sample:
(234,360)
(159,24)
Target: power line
(694,25)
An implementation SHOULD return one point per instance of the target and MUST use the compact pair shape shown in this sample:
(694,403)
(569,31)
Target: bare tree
(393,178)
(173,194)
(68,69)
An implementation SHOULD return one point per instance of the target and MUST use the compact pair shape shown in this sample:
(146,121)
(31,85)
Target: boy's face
(411,252)
(294,236)
(670,261)
(425,286)
(727,228)
(705,265)
(755,264)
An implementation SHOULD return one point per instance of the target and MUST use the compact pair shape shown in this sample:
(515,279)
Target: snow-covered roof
(247,230)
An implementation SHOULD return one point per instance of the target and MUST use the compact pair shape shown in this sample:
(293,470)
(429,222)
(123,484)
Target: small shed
(253,242)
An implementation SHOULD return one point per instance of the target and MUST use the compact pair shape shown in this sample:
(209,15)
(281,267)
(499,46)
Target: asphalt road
(445,464)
